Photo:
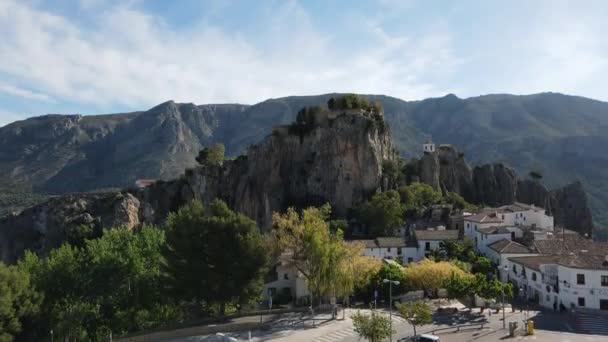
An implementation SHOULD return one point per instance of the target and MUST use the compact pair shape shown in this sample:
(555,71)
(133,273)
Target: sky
(106,56)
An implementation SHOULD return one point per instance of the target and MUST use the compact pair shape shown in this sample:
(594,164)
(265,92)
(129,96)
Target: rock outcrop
(46,226)
(497,184)
(338,159)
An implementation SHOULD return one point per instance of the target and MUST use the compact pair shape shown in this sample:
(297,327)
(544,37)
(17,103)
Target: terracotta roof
(509,247)
(484,217)
(581,261)
(494,230)
(570,243)
(441,235)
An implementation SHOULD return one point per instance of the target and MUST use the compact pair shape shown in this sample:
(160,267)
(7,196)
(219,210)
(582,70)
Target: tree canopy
(429,275)
(212,155)
(19,300)
(383,214)
(214,256)
(374,327)
(416,313)
(319,253)
(113,283)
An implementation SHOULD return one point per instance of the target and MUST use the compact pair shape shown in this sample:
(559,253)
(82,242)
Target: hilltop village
(548,265)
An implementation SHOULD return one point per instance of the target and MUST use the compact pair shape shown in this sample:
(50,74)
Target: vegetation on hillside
(387,211)
(211,155)
(132,280)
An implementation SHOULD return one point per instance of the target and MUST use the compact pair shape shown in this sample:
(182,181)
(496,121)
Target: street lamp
(504,324)
(390,302)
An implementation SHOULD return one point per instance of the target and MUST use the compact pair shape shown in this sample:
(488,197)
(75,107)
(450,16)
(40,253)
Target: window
(468,224)
(580,279)
(410,260)
(605,280)
(523,272)
(514,269)
(533,276)
(389,250)
(512,235)
(399,251)
(427,246)
(581,301)
(286,276)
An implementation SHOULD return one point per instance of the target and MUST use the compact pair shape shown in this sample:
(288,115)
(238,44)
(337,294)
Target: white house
(385,248)
(487,236)
(481,220)
(521,214)
(428,241)
(512,215)
(287,280)
(500,251)
(578,282)
(428,147)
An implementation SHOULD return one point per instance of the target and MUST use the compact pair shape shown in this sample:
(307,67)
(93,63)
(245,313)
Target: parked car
(422,338)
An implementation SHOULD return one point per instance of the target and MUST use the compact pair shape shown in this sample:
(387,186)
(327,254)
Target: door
(603,304)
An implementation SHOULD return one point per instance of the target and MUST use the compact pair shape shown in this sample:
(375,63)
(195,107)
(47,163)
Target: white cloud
(135,59)
(28,94)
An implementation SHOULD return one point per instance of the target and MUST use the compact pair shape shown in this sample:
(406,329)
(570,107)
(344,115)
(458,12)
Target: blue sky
(96,56)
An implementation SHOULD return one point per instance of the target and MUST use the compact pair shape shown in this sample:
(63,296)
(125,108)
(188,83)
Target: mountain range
(561,137)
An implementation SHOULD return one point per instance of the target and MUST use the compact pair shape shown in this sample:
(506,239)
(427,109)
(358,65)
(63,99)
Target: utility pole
(390,302)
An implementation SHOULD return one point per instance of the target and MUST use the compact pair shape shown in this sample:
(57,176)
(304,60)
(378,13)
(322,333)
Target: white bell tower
(428,147)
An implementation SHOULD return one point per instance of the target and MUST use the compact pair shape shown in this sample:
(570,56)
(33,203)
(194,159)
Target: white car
(423,338)
(427,338)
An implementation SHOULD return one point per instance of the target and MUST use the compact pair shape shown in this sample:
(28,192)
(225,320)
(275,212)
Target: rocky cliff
(337,159)
(497,184)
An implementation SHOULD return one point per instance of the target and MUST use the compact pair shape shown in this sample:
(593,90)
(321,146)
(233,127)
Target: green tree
(482,265)
(418,196)
(460,250)
(416,313)
(214,256)
(113,283)
(374,327)
(458,286)
(19,301)
(383,214)
(313,249)
(212,155)
(457,201)
(386,271)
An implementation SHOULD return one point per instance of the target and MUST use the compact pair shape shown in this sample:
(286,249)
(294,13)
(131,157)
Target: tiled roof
(441,235)
(570,243)
(390,242)
(484,217)
(534,262)
(494,230)
(381,242)
(509,247)
(581,261)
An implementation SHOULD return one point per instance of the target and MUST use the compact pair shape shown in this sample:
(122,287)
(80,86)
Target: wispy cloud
(136,59)
(27,94)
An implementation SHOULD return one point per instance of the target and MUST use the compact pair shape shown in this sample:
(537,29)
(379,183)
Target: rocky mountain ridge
(337,160)
(561,136)
(496,184)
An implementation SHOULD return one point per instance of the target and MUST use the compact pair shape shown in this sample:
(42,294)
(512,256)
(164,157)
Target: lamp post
(504,324)
(390,302)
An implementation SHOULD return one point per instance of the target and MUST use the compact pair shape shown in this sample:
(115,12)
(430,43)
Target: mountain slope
(561,136)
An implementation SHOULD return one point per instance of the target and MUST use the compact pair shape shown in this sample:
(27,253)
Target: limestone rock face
(494,184)
(45,226)
(338,161)
(497,184)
